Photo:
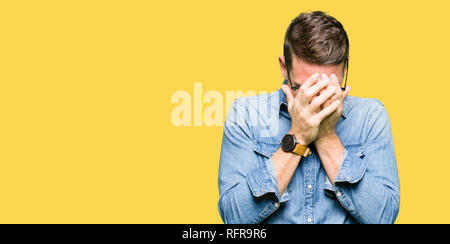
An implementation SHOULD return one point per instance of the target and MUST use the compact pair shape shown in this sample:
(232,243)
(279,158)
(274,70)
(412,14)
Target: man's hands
(310,107)
(328,125)
(315,111)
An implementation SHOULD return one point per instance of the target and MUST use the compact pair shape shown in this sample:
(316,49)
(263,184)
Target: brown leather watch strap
(301,150)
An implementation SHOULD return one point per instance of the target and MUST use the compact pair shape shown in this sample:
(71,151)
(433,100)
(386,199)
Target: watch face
(288,143)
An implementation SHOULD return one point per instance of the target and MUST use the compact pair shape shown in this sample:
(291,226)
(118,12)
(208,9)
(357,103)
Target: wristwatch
(290,144)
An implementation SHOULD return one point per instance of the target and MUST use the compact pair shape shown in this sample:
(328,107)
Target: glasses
(294,88)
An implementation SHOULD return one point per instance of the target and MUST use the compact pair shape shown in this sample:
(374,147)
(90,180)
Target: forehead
(302,70)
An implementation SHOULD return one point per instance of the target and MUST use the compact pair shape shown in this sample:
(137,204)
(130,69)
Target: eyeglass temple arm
(346,74)
(289,77)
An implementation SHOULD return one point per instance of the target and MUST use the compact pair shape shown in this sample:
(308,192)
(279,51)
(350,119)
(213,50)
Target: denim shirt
(366,189)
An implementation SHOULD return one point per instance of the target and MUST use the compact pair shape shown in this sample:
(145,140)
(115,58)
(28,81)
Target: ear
(283,67)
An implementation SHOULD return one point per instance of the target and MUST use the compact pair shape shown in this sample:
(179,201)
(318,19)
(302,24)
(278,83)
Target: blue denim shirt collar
(283,102)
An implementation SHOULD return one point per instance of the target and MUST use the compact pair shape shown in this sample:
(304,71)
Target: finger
(345,93)
(332,99)
(318,101)
(324,77)
(310,81)
(316,88)
(334,80)
(288,92)
(328,102)
(328,110)
(337,94)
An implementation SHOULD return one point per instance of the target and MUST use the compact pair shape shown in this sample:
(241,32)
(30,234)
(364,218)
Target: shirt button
(339,194)
(277,204)
(309,220)
(310,187)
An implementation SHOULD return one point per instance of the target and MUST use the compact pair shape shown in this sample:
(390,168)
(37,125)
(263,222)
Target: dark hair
(316,38)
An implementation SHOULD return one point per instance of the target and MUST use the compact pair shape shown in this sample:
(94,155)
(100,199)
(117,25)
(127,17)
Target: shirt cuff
(262,180)
(352,170)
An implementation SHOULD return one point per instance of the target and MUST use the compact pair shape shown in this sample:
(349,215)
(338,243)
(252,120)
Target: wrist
(327,138)
(298,137)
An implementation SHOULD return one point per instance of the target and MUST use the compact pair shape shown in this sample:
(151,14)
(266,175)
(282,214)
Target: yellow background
(85,89)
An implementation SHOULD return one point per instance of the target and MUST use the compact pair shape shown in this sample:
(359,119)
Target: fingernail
(324,76)
(315,75)
(333,76)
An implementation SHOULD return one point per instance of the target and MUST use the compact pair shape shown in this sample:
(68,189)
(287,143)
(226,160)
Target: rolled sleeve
(262,180)
(352,168)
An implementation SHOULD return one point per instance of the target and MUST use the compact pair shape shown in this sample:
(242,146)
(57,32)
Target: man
(318,155)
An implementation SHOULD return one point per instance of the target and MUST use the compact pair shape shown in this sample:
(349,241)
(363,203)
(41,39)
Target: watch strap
(301,150)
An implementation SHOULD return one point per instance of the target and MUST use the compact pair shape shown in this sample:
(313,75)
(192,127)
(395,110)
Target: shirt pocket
(266,146)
